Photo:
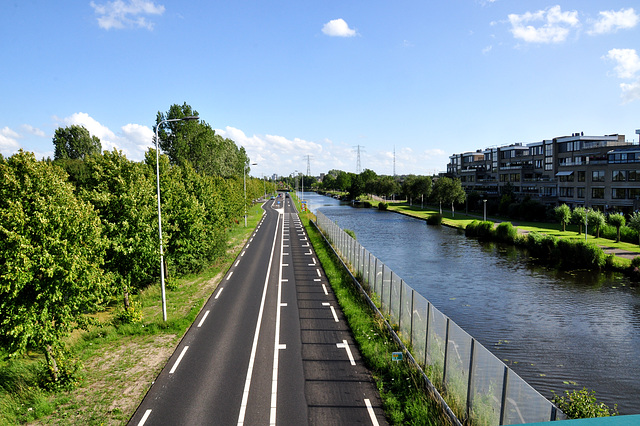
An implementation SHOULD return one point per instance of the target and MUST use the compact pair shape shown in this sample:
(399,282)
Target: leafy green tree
(595,218)
(447,190)
(634,223)
(387,186)
(563,214)
(368,178)
(618,221)
(343,181)
(357,187)
(197,143)
(124,195)
(75,143)
(51,252)
(578,217)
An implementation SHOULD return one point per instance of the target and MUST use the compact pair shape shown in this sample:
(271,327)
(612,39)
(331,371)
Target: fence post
(413,296)
(426,335)
(382,288)
(503,404)
(446,350)
(400,310)
(470,382)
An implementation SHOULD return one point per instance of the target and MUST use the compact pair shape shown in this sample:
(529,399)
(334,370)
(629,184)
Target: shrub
(635,262)
(485,230)
(541,246)
(579,254)
(471,230)
(434,219)
(505,232)
(582,404)
(383,206)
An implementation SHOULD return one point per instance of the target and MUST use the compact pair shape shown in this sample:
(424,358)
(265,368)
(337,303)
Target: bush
(383,206)
(434,219)
(579,254)
(582,404)
(506,233)
(481,230)
(541,246)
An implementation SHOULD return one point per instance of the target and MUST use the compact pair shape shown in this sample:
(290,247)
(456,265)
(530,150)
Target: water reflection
(558,330)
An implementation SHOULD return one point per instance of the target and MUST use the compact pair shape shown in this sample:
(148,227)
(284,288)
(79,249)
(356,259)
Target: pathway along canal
(559,331)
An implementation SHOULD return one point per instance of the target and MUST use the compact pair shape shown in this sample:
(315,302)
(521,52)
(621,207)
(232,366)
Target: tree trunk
(51,362)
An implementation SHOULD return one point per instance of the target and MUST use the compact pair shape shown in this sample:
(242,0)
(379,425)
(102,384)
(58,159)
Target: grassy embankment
(120,361)
(401,387)
(461,220)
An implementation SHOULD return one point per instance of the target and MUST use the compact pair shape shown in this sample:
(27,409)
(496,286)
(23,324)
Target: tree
(447,190)
(368,177)
(634,223)
(578,218)
(595,218)
(197,143)
(357,187)
(124,195)
(51,251)
(386,186)
(74,143)
(618,221)
(563,214)
(343,181)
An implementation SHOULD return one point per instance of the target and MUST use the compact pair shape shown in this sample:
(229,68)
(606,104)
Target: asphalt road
(271,346)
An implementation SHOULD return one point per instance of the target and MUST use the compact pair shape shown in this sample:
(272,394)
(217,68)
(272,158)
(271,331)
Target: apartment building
(592,171)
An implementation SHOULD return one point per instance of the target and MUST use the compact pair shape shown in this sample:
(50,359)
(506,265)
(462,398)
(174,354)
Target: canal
(557,330)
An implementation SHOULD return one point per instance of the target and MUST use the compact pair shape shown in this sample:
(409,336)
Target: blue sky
(291,79)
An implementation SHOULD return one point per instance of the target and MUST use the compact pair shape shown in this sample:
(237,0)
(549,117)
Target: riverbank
(623,252)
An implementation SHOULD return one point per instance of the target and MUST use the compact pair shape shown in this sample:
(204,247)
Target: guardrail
(478,385)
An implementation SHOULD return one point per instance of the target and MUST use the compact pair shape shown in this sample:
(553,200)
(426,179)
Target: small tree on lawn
(563,214)
(618,221)
(634,223)
(577,217)
(595,218)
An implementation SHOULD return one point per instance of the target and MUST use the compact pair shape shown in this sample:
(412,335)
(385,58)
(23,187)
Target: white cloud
(611,21)
(33,130)
(133,139)
(121,14)
(628,67)
(338,28)
(555,27)
(628,62)
(630,91)
(8,141)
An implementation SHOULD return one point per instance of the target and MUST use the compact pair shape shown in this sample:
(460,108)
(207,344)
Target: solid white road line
(256,335)
(204,317)
(184,351)
(277,346)
(372,414)
(345,345)
(144,418)
(218,295)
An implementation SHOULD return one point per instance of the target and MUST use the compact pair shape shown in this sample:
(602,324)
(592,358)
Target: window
(597,192)
(597,176)
(618,193)
(566,178)
(619,175)
(633,193)
(565,192)
(548,150)
(580,191)
(633,175)
(514,177)
(538,164)
(581,176)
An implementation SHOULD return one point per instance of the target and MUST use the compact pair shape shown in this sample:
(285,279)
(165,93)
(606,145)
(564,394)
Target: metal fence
(479,385)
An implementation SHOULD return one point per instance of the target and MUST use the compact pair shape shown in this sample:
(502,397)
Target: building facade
(592,171)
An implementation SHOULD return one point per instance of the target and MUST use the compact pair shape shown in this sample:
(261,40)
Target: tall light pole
(485,209)
(244,178)
(164,297)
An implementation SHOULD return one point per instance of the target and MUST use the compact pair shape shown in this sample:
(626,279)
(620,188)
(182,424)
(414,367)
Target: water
(559,331)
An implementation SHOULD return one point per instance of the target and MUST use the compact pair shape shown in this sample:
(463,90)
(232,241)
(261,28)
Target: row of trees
(442,190)
(597,220)
(81,230)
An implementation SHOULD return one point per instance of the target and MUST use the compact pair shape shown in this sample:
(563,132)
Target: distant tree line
(81,230)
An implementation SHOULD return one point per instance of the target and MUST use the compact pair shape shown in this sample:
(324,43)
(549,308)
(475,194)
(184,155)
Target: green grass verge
(401,387)
(120,360)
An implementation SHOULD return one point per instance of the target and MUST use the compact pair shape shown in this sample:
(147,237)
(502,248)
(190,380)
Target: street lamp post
(244,178)
(485,209)
(164,298)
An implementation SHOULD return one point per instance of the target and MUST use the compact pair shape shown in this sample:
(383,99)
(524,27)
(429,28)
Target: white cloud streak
(121,14)
(338,28)
(8,141)
(555,25)
(628,67)
(133,139)
(611,21)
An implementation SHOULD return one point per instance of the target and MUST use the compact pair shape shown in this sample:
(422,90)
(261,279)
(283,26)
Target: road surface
(271,346)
